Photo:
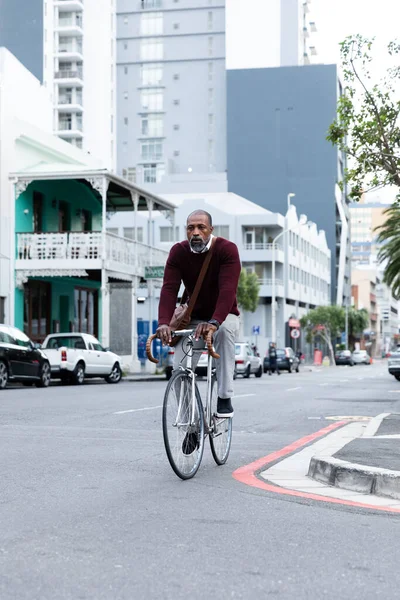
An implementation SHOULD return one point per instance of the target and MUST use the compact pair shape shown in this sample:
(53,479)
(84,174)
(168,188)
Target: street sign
(295,334)
(294,323)
(153,272)
(256,330)
(343,338)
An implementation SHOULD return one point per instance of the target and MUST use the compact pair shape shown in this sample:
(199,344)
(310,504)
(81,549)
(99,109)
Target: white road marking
(314,418)
(133,410)
(394,392)
(244,395)
(293,389)
(324,384)
(343,380)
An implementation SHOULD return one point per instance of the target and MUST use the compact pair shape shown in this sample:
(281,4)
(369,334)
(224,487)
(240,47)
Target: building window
(176,127)
(125,45)
(151,150)
(151,49)
(129,233)
(151,74)
(152,99)
(176,76)
(125,70)
(176,25)
(176,153)
(210,46)
(210,20)
(151,24)
(210,148)
(86,309)
(177,102)
(125,95)
(146,4)
(152,125)
(221,231)
(129,174)
(210,95)
(210,71)
(153,173)
(167,234)
(210,124)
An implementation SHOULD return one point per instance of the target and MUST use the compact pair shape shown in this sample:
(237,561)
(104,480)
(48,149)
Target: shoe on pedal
(190,443)
(224,408)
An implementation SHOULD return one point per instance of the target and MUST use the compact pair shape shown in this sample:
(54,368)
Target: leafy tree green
(358,320)
(389,254)
(367,127)
(325,321)
(248,291)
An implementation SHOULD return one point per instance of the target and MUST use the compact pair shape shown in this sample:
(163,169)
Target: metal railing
(75,246)
(262,246)
(69,74)
(268,281)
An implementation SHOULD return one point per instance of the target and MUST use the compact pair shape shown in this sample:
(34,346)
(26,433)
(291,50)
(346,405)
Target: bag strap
(200,278)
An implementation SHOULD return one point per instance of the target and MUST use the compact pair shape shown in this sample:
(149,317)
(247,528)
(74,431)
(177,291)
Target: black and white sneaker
(224,408)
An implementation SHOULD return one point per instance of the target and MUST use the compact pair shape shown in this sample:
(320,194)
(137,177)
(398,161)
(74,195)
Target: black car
(286,360)
(20,360)
(344,357)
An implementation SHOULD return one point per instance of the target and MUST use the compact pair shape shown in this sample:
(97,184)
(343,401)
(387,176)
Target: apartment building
(302,257)
(365,218)
(79,39)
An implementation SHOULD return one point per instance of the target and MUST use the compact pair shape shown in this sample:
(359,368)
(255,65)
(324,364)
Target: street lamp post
(289,197)
(302,221)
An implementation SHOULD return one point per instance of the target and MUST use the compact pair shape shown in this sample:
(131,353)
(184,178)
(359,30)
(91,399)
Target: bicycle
(186,423)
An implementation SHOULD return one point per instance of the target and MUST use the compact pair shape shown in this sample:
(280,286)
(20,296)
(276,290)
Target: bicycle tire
(221,433)
(183,464)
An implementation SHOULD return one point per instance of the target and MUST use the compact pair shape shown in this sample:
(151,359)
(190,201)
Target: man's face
(198,231)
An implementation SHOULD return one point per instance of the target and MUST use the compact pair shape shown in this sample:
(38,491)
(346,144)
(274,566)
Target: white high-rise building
(79,43)
(269,33)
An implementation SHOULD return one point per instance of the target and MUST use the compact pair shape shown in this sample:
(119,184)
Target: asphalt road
(90,509)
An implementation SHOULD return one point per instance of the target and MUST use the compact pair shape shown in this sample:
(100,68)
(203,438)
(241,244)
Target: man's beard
(197,244)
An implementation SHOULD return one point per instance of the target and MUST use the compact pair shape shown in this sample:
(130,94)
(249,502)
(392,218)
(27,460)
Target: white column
(135,362)
(105,291)
(150,289)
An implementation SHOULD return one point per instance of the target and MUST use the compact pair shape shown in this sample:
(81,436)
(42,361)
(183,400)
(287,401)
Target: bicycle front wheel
(183,431)
(220,430)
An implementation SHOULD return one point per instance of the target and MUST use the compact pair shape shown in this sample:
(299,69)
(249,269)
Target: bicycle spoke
(221,435)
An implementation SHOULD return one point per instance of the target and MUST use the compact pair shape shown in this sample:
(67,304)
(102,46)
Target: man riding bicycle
(216,307)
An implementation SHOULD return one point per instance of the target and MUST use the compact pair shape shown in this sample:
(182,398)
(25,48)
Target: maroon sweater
(217,297)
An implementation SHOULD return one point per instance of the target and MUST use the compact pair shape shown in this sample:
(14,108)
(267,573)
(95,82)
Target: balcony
(262,252)
(72,26)
(69,77)
(41,252)
(69,5)
(70,52)
(69,128)
(266,287)
(150,4)
(69,104)
(373,317)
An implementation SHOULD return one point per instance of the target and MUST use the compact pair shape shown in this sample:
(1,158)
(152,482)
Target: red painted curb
(247,474)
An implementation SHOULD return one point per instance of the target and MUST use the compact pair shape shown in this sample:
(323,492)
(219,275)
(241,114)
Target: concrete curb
(144,378)
(374,425)
(354,477)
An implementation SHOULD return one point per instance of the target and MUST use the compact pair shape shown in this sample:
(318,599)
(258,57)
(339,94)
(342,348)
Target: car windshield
(72,341)
(237,349)
(280,353)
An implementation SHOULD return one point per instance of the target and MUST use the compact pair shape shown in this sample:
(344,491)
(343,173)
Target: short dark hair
(201,212)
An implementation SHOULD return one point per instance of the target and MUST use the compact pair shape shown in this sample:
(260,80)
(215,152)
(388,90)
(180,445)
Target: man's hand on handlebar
(203,329)
(164,334)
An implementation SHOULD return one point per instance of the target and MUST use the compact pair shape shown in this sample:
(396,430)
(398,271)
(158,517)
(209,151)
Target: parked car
(76,356)
(20,360)
(201,368)
(394,364)
(286,360)
(246,363)
(361,357)
(344,357)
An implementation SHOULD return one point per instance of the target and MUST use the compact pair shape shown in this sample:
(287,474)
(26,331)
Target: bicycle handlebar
(154,336)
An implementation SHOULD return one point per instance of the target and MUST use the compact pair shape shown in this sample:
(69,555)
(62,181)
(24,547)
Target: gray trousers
(224,344)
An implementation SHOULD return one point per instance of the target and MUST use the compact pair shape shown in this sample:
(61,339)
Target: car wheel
(3,375)
(290,369)
(246,374)
(45,376)
(259,372)
(78,376)
(116,374)
(351,364)
(234,374)
(397,377)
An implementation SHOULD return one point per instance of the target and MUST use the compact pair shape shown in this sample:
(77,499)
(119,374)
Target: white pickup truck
(75,356)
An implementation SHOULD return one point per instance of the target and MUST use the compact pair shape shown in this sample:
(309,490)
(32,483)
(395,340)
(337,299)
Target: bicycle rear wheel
(221,429)
(183,436)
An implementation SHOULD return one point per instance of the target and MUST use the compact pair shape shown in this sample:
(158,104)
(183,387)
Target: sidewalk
(144,377)
(369,464)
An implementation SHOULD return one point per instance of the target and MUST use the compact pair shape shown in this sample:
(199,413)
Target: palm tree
(358,321)
(389,235)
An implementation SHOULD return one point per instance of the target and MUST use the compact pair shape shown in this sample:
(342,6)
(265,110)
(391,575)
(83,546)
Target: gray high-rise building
(21,32)
(277,145)
(171,89)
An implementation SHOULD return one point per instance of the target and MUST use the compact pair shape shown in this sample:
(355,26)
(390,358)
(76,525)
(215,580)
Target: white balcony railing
(266,281)
(58,248)
(69,74)
(262,246)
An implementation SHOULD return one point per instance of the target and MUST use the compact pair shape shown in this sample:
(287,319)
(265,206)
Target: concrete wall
(277,125)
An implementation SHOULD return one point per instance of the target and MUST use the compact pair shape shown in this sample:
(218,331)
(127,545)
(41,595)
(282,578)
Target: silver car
(246,362)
